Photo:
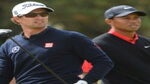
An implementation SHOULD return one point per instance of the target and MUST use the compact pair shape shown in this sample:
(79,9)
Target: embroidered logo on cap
(31,5)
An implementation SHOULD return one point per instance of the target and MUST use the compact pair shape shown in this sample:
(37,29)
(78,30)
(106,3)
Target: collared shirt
(121,36)
(61,51)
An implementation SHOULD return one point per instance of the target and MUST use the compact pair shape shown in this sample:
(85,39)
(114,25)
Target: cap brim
(31,9)
(50,9)
(140,13)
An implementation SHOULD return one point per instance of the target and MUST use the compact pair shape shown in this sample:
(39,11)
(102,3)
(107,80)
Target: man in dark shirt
(129,51)
(45,55)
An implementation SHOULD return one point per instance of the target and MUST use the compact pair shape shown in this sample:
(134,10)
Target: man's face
(129,23)
(35,19)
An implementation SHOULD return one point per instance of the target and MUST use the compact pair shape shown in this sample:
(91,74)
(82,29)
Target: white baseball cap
(28,6)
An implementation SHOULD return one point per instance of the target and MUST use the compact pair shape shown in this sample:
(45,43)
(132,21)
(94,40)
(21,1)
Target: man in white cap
(45,55)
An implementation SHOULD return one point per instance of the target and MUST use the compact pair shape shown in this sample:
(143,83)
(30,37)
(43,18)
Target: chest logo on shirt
(15,49)
(48,45)
(148,46)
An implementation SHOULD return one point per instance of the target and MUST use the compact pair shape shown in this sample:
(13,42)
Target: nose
(135,20)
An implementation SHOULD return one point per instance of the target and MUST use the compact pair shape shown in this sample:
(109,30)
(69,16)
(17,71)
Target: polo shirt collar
(123,37)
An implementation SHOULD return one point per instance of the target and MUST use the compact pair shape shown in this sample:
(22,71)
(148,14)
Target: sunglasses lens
(31,15)
(43,14)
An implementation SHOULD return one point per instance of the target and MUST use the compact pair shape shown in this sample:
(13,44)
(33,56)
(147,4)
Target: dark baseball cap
(122,10)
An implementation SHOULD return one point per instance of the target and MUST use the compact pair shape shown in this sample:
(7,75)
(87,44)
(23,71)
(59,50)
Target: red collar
(130,40)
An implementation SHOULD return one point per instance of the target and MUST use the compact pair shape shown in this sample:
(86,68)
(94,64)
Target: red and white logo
(48,45)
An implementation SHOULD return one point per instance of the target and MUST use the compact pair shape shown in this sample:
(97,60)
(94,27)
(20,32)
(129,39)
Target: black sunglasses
(42,14)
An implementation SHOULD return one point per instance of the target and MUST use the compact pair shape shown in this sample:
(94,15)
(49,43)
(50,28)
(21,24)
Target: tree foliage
(85,16)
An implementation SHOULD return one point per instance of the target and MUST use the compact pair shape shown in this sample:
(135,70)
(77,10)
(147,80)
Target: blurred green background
(85,16)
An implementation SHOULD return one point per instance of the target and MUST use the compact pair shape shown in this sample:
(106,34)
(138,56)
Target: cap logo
(127,7)
(30,5)
(15,12)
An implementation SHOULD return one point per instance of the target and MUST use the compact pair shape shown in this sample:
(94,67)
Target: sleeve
(87,50)
(86,67)
(5,67)
(3,80)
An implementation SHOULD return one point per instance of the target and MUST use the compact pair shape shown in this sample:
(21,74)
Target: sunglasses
(42,14)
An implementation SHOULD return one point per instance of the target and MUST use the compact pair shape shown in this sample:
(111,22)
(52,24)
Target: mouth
(134,26)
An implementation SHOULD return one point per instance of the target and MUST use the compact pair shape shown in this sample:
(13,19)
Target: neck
(126,33)
(28,32)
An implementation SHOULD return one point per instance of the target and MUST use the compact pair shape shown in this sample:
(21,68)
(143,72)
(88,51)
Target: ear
(108,21)
(15,20)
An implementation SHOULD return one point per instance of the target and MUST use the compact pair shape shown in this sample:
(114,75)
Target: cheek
(46,18)
(139,21)
(26,22)
(118,23)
